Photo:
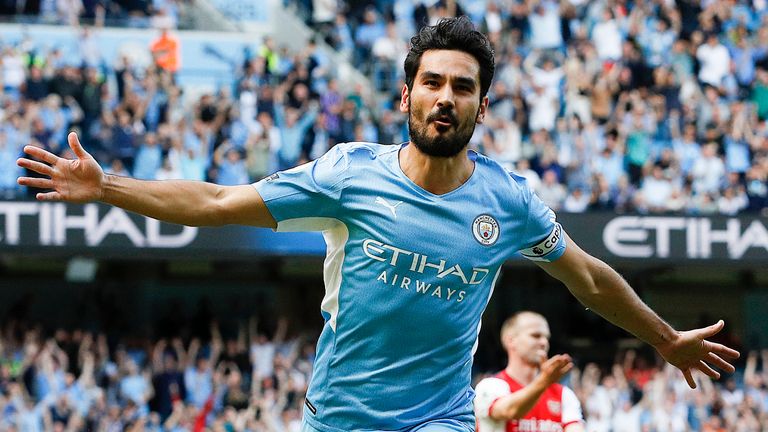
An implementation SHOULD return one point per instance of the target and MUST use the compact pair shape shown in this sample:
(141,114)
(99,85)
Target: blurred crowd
(636,396)
(255,381)
(647,107)
(656,106)
(127,13)
(81,381)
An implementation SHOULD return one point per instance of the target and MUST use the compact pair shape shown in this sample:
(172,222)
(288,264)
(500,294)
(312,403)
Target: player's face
(444,104)
(531,342)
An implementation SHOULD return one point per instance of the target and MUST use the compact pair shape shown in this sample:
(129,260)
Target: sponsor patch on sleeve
(539,252)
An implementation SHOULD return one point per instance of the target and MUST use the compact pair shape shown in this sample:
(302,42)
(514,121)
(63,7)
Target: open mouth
(443,122)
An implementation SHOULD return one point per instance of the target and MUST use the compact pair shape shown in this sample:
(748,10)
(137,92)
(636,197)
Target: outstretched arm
(182,202)
(602,289)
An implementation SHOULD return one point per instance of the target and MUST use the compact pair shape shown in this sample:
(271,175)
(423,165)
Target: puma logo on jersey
(391,207)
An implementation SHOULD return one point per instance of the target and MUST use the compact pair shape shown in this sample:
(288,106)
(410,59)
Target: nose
(445,98)
(544,342)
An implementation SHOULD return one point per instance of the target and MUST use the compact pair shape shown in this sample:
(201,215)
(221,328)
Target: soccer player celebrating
(416,236)
(526,395)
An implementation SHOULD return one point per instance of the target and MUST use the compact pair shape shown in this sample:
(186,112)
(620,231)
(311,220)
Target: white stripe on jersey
(336,236)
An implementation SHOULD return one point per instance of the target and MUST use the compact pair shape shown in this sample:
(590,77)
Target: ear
(405,101)
(508,342)
(482,110)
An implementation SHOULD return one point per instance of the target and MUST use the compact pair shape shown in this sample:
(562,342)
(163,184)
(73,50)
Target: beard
(444,145)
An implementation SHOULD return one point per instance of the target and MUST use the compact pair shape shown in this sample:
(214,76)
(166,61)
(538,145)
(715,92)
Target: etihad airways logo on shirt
(422,263)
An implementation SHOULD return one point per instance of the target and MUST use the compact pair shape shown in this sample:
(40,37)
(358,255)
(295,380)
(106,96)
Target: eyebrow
(463,80)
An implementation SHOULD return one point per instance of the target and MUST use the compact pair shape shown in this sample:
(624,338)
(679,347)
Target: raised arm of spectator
(86,347)
(59,354)
(150,392)
(279,99)
(602,289)
(590,378)
(87,376)
(242,337)
(530,64)
(764,364)
(176,201)
(194,347)
(45,362)
(75,112)
(308,119)
(750,368)
(181,355)
(281,331)
(618,374)
(253,328)
(158,351)
(221,150)
(102,348)
(217,343)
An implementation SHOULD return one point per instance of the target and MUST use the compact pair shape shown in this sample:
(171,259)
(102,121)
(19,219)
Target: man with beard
(416,235)
(526,396)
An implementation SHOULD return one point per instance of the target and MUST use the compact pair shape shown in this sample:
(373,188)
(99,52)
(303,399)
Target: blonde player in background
(526,395)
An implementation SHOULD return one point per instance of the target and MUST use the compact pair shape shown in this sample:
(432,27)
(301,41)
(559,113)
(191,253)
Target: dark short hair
(452,34)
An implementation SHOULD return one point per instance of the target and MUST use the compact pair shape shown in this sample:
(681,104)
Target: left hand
(690,350)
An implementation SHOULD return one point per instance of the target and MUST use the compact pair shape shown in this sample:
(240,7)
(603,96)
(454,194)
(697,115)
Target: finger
(708,370)
(689,378)
(49,196)
(74,144)
(721,350)
(711,330)
(36,182)
(41,154)
(35,166)
(719,362)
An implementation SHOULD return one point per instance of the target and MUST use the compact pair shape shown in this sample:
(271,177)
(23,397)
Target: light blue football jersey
(407,276)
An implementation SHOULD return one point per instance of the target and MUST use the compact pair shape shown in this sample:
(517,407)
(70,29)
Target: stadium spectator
(714,61)
(166,51)
(588,87)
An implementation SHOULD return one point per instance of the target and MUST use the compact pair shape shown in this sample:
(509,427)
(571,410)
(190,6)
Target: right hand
(554,369)
(79,181)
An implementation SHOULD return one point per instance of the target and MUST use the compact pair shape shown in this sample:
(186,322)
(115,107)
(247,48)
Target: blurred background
(642,123)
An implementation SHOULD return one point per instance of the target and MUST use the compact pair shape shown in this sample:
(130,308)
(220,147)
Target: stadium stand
(648,124)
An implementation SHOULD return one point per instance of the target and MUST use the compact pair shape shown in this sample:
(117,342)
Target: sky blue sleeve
(545,236)
(307,197)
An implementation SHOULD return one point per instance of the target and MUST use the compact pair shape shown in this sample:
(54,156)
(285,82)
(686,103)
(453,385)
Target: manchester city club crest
(485,229)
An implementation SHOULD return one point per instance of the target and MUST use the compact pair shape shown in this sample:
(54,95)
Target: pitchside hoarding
(30,227)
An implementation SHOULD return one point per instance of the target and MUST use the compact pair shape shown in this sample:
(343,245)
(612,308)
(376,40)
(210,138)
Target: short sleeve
(571,407)
(307,197)
(487,392)
(544,235)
